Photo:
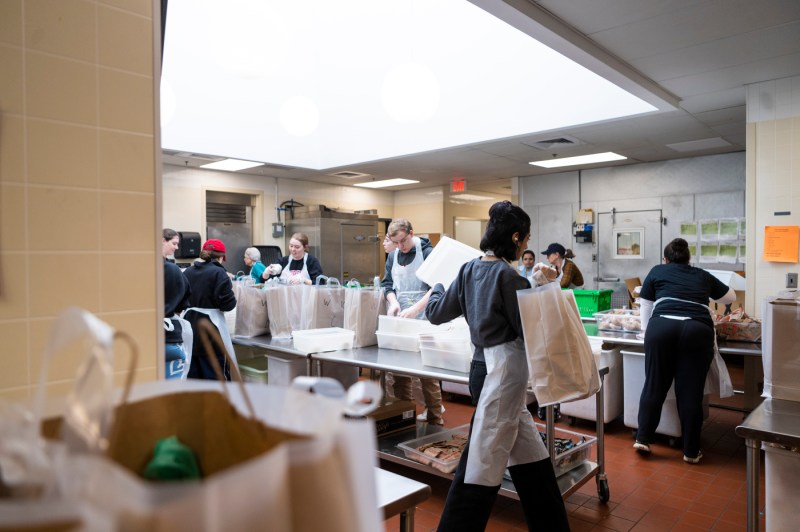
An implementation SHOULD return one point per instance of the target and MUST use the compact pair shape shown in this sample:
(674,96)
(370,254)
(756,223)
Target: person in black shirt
(502,432)
(678,343)
(298,267)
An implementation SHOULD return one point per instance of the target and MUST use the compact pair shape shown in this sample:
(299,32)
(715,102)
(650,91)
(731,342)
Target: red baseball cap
(214,245)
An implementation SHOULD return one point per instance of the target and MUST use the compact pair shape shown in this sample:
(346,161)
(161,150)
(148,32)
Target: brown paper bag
(361,310)
(252,316)
(560,360)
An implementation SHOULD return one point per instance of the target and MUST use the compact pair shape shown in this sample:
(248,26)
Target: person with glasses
(502,433)
(406,296)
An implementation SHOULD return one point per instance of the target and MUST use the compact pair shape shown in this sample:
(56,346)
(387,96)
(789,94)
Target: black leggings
(469,506)
(679,350)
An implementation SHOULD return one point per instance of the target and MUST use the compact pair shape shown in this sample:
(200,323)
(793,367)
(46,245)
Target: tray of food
(572,448)
(738,327)
(619,320)
(441,451)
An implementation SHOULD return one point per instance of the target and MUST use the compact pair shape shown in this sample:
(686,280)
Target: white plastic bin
(396,325)
(446,359)
(782,469)
(321,340)
(445,260)
(401,342)
(283,369)
(612,391)
(633,371)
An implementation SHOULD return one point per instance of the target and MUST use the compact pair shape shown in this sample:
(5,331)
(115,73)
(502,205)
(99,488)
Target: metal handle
(608,279)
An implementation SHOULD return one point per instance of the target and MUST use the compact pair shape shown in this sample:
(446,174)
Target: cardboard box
(393,416)
(632,284)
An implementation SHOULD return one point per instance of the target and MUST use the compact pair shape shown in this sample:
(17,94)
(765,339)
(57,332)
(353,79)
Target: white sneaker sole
(424,415)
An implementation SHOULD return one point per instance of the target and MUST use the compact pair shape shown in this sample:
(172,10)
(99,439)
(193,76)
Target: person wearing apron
(177,331)
(569,276)
(298,267)
(679,344)
(406,297)
(212,295)
(502,433)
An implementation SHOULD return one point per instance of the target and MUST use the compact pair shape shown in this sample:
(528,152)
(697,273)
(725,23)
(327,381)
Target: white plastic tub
(321,340)
(612,391)
(401,342)
(394,324)
(454,360)
(283,370)
(445,260)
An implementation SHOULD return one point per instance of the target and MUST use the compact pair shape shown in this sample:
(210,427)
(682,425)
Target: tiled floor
(655,493)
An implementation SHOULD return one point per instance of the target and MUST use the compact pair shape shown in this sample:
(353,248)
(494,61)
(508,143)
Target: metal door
(616,263)
(359,251)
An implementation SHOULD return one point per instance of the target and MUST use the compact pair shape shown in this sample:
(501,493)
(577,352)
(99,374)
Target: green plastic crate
(591,301)
(254,369)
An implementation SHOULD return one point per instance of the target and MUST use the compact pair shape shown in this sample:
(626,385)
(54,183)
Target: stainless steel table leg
(407,520)
(753,469)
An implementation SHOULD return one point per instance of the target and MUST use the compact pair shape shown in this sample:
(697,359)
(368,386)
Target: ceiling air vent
(558,142)
(345,174)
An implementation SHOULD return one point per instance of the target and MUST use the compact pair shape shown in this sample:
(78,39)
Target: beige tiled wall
(78,179)
(773,179)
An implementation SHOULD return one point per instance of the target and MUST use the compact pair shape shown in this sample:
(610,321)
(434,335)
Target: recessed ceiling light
(231,165)
(386,183)
(580,159)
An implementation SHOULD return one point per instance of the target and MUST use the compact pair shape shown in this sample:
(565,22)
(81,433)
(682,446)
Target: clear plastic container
(454,360)
(400,342)
(619,320)
(394,324)
(571,458)
(254,369)
(321,340)
(411,449)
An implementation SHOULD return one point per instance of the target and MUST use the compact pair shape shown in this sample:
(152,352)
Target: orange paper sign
(781,243)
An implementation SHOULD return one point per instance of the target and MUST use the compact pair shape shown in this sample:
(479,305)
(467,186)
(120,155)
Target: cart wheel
(572,421)
(602,491)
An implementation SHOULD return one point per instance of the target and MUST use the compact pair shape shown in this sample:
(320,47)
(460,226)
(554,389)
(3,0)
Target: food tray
(619,320)
(400,342)
(411,449)
(571,458)
(321,340)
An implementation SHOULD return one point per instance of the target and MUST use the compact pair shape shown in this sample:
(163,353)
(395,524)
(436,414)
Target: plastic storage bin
(411,448)
(401,342)
(446,358)
(782,468)
(254,369)
(445,260)
(321,340)
(619,320)
(393,324)
(571,458)
(633,371)
(283,369)
(612,391)
(591,301)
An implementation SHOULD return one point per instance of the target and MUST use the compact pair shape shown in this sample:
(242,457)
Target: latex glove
(539,278)
(393,309)
(411,312)
(274,269)
(296,280)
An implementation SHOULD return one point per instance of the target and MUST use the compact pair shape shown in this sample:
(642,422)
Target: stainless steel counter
(773,421)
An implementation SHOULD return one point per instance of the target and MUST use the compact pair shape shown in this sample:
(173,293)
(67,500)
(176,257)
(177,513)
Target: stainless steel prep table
(399,495)
(750,351)
(773,421)
(284,346)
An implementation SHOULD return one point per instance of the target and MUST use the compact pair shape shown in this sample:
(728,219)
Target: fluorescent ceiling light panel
(580,159)
(231,165)
(386,183)
(320,84)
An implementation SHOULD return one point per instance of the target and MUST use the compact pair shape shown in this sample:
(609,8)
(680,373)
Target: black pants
(679,350)
(469,506)
(201,367)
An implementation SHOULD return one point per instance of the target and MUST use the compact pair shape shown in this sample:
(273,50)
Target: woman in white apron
(212,295)
(679,344)
(298,267)
(502,432)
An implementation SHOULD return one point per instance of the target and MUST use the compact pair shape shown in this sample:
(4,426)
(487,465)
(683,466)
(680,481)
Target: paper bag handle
(209,333)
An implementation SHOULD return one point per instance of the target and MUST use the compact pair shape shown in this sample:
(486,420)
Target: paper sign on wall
(781,243)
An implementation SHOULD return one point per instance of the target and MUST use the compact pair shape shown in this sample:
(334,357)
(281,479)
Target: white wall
(773,179)
(684,189)
(423,207)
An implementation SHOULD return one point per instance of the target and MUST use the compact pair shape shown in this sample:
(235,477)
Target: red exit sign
(459,185)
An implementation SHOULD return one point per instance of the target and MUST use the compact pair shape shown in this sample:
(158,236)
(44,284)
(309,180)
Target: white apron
(186,334)
(217,317)
(288,275)
(408,288)
(503,432)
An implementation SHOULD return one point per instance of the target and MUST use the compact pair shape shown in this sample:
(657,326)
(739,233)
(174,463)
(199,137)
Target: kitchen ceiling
(699,55)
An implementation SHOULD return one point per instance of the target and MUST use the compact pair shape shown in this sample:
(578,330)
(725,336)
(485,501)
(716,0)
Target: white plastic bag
(560,360)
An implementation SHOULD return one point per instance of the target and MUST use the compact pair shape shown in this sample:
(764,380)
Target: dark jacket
(176,299)
(211,287)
